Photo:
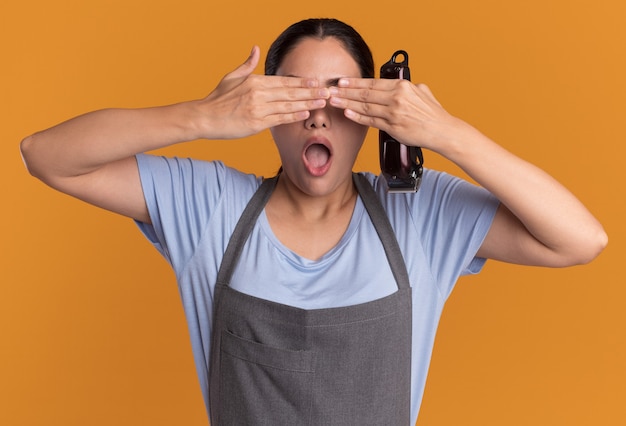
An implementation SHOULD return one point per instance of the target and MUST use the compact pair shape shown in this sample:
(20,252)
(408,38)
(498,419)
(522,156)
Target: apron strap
(243,228)
(383,229)
(373,207)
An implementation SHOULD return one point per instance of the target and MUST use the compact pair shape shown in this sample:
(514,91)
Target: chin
(320,186)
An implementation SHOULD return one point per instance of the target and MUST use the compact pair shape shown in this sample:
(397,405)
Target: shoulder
(188,192)
(435,184)
(443,201)
(194,174)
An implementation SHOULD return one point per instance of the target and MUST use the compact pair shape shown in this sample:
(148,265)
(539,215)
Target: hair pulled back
(320,28)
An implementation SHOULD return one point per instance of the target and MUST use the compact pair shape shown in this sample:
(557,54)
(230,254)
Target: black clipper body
(400,164)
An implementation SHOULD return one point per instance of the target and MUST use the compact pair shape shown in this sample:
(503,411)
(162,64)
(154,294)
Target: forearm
(541,223)
(549,212)
(86,143)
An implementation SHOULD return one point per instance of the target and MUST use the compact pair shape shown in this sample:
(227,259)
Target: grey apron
(273,364)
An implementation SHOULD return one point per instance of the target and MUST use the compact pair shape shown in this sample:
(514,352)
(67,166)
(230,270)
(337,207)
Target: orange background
(91,327)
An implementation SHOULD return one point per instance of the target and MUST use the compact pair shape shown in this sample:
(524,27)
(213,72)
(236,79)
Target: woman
(314,297)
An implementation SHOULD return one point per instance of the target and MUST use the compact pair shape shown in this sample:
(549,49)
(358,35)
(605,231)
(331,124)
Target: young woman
(313,297)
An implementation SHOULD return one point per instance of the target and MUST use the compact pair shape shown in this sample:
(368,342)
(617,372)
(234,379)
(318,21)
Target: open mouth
(317,157)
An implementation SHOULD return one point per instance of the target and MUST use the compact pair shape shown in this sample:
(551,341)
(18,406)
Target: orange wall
(91,328)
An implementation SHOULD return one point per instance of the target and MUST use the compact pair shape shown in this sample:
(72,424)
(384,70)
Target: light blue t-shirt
(194,207)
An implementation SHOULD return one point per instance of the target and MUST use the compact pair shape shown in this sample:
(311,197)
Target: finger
(344,98)
(273,113)
(270,114)
(291,94)
(294,117)
(362,100)
(366,83)
(364,95)
(366,120)
(293,107)
(278,119)
(369,109)
(248,66)
(281,81)
(371,105)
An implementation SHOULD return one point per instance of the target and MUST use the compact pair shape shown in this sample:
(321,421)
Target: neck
(310,225)
(290,199)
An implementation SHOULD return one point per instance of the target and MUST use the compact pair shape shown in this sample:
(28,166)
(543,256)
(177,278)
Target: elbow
(595,245)
(33,160)
(589,248)
(26,153)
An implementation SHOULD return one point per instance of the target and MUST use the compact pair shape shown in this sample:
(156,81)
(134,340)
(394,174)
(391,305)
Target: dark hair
(320,28)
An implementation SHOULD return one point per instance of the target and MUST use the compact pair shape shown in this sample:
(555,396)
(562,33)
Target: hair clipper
(400,164)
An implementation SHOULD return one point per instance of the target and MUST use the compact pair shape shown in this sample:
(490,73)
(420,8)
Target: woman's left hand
(408,112)
(539,222)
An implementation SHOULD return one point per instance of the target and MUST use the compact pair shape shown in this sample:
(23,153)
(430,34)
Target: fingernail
(302,115)
(343,82)
(333,91)
(324,92)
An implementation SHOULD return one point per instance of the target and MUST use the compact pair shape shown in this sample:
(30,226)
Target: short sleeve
(181,195)
(452,217)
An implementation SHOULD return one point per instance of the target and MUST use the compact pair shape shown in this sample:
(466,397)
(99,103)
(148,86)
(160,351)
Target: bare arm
(539,222)
(91,157)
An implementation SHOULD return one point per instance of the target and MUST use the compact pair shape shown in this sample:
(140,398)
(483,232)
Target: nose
(319,118)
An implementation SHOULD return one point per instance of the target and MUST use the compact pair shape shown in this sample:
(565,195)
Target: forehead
(321,59)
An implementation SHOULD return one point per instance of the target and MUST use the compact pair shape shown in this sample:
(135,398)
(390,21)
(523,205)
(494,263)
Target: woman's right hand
(244,103)
(92,157)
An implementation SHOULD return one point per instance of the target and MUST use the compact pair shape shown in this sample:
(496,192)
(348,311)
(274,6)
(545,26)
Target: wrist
(193,119)
(452,140)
